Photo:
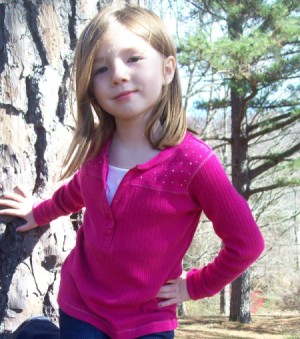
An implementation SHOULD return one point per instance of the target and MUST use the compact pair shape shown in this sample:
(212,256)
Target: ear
(169,69)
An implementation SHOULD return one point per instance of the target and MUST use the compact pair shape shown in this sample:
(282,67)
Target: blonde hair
(90,134)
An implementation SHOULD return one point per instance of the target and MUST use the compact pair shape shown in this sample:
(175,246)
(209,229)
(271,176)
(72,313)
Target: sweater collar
(156,160)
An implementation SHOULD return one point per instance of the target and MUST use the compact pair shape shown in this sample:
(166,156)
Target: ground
(262,327)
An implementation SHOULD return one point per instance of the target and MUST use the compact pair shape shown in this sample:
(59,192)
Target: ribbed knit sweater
(125,252)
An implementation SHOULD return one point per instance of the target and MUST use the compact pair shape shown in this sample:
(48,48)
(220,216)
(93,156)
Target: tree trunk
(240,293)
(225,301)
(37,40)
(182,310)
(240,299)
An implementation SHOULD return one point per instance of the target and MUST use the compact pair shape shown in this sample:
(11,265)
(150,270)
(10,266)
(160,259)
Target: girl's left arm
(233,222)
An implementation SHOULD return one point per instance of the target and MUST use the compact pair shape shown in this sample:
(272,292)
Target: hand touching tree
(19,204)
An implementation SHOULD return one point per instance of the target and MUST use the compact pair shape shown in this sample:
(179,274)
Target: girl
(144,182)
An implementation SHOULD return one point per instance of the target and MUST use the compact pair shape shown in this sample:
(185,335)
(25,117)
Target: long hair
(94,125)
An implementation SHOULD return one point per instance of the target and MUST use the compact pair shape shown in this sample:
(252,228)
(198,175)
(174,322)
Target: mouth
(124,95)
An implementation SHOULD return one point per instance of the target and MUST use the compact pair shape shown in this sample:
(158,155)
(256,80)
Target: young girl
(144,182)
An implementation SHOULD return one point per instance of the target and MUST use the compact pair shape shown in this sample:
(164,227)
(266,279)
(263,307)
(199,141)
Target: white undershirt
(114,177)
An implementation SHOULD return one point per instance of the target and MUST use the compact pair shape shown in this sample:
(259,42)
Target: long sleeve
(233,223)
(67,199)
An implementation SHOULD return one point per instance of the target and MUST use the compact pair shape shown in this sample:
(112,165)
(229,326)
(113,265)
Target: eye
(134,59)
(100,70)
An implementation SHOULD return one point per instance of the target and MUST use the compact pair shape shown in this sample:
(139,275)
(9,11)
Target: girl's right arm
(66,200)
(19,204)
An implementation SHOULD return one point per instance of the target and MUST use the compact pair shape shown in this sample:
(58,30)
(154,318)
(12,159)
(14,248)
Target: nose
(120,73)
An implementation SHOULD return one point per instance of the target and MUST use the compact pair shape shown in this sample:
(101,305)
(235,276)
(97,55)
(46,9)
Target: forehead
(118,38)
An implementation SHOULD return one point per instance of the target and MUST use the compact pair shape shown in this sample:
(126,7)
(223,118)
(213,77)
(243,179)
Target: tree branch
(267,188)
(253,85)
(274,106)
(268,121)
(194,4)
(274,127)
(214,138)
(273,161)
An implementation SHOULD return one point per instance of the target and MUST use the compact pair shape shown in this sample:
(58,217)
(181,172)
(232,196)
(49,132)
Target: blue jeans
(77,329)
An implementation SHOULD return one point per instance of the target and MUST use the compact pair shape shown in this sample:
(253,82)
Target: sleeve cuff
(196,286)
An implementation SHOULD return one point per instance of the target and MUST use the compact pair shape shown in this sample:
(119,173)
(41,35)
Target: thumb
(26,227)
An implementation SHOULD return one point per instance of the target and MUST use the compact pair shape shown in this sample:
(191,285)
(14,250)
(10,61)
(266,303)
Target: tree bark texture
(240,289)
(225,301)
(37,39)
(240,299)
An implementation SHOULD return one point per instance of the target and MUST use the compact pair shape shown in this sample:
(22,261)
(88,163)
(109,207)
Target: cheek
(98,89)
(152,78)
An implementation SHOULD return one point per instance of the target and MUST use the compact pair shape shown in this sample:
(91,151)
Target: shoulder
(93,163)
(201,160)
(196,142)
(194,149)
(183,162)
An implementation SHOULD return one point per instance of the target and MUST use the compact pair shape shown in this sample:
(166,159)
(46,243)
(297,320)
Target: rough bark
(37,39)
(225,301)
(240,299)
(240,288)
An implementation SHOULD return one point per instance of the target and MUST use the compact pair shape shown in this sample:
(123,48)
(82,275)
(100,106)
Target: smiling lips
(124,95)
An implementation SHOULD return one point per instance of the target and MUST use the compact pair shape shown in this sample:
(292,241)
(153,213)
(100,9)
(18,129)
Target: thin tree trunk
(240,299)
(182,310)
(240,294)
(225,301)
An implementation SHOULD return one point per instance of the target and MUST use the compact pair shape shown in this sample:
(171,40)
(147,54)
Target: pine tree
(246,56)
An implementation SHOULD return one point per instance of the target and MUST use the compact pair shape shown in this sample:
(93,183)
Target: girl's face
(128,75)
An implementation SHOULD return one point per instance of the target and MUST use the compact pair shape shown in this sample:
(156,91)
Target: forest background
(240,68)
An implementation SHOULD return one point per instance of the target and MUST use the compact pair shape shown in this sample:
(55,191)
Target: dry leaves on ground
(262,327)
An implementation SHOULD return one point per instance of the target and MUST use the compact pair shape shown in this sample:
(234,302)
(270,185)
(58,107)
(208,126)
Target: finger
(167,302)
(171,281)
(22,228)
(15,212)
(25,227)
(9,203)
(20,190)
(166,295)
(13,196)
(167,288)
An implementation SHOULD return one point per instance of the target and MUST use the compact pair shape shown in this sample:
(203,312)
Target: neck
(131,137)
(129,147)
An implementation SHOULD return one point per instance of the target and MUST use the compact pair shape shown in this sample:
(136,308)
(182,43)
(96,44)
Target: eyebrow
(125,50)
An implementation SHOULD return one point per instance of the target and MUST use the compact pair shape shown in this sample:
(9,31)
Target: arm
(233,223)
(65,200)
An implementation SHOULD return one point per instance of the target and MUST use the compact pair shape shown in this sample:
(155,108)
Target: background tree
(37,40)
(242,76)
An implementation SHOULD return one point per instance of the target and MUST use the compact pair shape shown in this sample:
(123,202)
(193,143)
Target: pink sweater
(127,250)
